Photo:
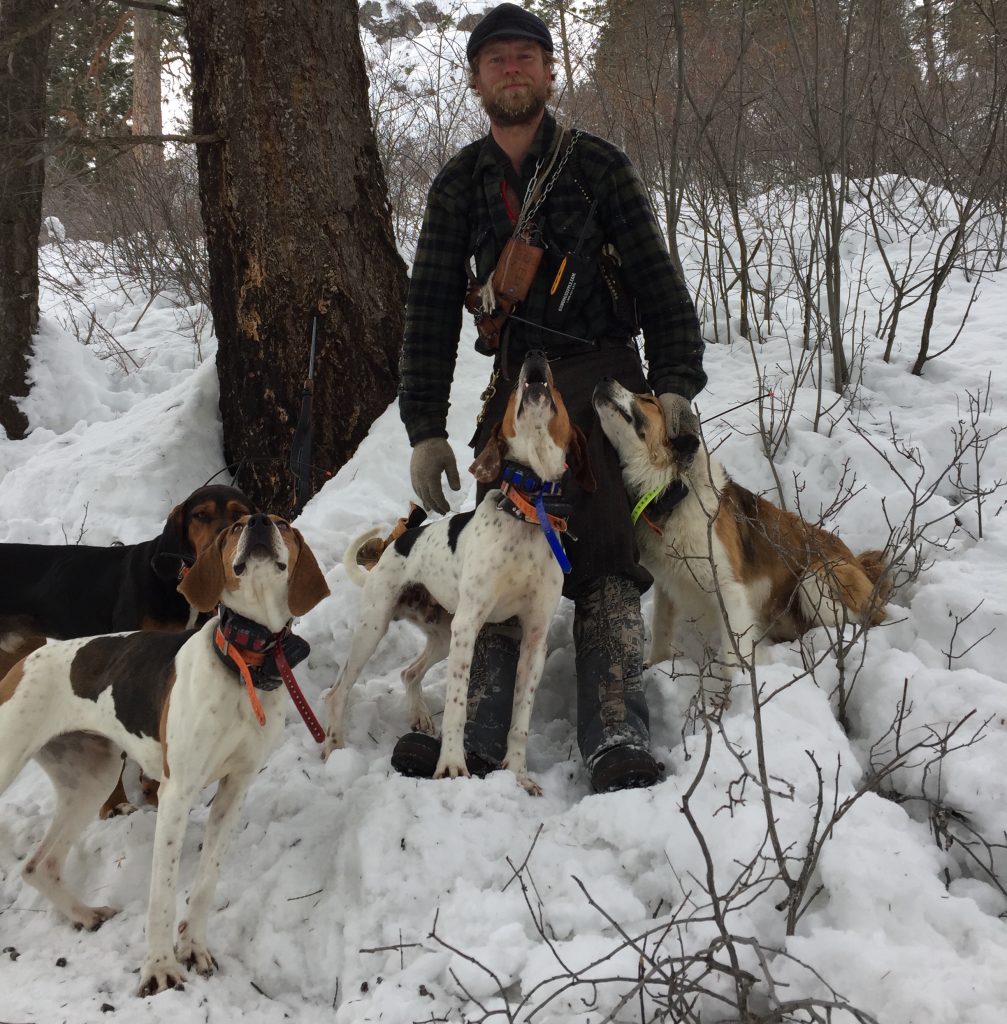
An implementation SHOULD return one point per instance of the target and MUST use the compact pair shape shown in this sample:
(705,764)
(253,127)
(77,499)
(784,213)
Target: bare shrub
(147,217)
(128,227)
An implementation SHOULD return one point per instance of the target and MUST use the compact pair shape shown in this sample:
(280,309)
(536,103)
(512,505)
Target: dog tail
(859,587)
(363,554)
(368,547)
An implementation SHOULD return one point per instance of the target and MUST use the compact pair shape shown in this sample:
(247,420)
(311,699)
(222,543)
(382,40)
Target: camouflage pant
(608,639)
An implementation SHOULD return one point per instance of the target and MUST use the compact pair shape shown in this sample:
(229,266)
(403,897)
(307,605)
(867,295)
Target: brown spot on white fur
(23,646)
(778,575)
(9,683)
(779,550)
(138,668)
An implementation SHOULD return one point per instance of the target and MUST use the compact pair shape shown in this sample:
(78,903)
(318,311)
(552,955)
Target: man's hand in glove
(430,459)
(682,424)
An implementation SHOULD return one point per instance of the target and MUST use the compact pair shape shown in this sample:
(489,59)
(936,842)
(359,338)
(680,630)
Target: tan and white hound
(776,574)
(453,576)
(174,706)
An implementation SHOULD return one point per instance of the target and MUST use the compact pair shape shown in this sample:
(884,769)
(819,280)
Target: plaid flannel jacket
(466,224)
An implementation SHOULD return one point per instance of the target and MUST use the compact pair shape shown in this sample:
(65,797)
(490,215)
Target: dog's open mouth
(536,391)
(536,379)
(537,374)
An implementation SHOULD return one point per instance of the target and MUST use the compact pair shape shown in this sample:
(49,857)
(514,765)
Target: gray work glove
(430,459)
(682,424)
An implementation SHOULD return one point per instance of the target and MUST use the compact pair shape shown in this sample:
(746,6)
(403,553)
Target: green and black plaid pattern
(466,224)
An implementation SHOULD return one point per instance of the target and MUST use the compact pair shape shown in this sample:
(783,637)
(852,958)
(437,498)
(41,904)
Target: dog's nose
(259,532)
(536,367)
(256,540)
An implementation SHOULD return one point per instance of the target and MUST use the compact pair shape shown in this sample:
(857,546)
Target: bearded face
(513,81)
(516,103)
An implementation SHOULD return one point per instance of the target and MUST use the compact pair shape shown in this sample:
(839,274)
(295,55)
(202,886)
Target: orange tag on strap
(232,652)
(253,698)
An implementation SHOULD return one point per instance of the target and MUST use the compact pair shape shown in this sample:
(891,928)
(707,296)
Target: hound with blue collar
(501,561)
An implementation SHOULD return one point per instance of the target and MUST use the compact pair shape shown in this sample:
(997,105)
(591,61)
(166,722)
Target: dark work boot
(613,724)
(416,754)
(491,697)
(624,767)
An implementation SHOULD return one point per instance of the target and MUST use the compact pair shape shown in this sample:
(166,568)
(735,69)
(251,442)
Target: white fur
(502,567)
(210,734)
(690,565)
(769,578)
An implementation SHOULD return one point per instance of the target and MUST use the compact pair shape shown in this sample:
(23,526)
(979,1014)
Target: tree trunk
(146,117)
(26,25)
(297,223)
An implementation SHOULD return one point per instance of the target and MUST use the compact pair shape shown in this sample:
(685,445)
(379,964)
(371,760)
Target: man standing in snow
(604,272)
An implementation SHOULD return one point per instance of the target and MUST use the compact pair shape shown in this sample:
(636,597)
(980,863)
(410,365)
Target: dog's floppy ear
(173,538)
(204,582)
(580,465)
(307,585)
(171,546)
(486,467)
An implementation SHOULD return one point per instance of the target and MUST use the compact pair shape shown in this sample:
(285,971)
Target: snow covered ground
(354,895)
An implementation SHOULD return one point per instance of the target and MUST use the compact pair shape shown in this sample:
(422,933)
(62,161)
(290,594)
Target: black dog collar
(656,506)
(257,646)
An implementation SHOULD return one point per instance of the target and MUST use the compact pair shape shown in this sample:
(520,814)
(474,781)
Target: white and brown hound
(701,534)
(492,564)
(173,705)
(65,591)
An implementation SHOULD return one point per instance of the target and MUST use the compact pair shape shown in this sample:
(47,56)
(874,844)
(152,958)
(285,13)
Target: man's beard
(509,108)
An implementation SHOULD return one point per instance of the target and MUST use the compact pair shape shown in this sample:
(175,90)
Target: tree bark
(146,117)
(26,25)
(297,223)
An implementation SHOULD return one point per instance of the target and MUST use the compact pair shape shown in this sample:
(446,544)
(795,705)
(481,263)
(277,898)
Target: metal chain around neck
(534,199)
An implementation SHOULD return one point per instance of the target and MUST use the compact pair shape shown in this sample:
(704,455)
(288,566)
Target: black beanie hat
(508,21)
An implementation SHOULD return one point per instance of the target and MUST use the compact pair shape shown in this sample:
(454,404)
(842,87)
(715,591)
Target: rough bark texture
(297,222)
(22,175)
(146,113)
